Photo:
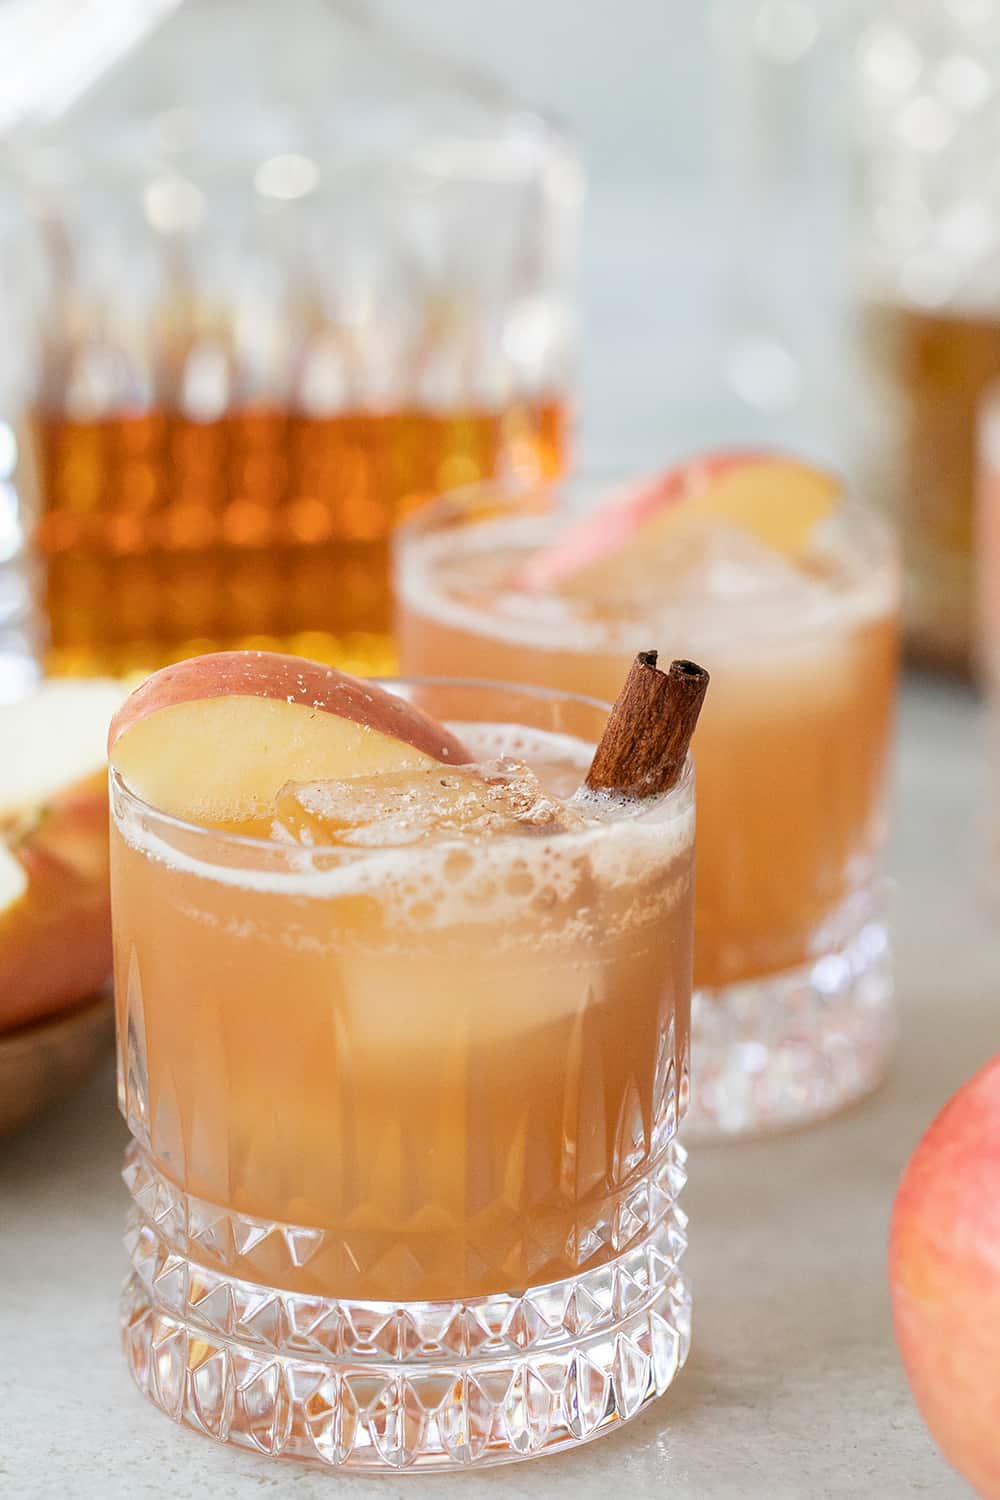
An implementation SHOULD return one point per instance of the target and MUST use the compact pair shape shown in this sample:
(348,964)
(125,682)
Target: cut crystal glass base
(382,1385)
(793,1047)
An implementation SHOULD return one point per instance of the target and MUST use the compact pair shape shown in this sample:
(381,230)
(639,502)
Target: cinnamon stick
(645,743)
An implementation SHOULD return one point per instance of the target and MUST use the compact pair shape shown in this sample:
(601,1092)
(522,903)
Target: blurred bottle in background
(19,632)
(926,116)
(865,284)
(987,635)
(278,276)
(783,210)
(60,48)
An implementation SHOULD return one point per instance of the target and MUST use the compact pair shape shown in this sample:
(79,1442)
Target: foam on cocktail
(423,883)
(714,588)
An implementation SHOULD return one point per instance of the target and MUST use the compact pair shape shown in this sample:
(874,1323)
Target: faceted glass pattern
(775,1052)
(369,1384)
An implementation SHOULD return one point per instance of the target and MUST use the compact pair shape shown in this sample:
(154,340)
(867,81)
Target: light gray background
(679,263)
(634,80)
(794,1391)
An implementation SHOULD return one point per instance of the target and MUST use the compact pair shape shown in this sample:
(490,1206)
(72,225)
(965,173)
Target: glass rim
(602,482)
(348,853)
(871,541)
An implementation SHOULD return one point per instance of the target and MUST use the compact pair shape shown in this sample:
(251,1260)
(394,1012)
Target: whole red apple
(944,1277)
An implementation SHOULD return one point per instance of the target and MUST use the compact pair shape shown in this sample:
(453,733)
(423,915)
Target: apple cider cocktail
(759,567)
(403,1021)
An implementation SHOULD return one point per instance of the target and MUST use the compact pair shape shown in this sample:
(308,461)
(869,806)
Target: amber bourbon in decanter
(280,277)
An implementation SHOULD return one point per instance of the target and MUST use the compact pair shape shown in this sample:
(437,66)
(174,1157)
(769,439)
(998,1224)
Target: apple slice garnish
(215,738)
(779,501)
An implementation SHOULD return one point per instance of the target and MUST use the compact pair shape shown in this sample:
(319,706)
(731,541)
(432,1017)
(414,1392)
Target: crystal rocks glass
(793,1013)
(403,1167)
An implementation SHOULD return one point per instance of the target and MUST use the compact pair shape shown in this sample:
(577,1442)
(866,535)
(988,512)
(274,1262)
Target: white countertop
(793,1390)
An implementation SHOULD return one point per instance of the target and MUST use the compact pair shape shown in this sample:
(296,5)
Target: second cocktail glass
(793,1012)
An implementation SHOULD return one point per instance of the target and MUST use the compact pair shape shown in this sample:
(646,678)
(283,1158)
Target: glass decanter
(275,277)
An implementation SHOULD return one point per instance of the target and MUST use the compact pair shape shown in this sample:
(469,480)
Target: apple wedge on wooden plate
(55,918)
(41,1064)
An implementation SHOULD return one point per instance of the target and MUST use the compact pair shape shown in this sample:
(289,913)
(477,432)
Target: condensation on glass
(274,278)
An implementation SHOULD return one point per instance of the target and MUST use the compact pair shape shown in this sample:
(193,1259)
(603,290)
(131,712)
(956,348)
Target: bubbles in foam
(500,876)
(744,591)
(395,809)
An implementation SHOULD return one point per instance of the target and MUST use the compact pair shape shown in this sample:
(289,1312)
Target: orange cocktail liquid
(792,744)
(447,1070)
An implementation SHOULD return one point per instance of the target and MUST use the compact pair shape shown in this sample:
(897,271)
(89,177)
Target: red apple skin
(269,674)
(944,1277)
(606,530)
(55,941)
(73,828)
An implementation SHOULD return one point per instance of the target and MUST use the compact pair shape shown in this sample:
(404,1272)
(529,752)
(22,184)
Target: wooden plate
(41,1063)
